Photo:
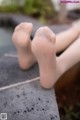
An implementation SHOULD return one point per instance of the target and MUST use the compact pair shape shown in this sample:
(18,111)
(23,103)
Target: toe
(17,28)
(26,27)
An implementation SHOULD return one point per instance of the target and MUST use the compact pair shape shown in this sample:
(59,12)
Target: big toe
(27,27)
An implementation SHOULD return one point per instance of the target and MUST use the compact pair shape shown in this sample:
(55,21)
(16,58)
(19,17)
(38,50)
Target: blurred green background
(42,10)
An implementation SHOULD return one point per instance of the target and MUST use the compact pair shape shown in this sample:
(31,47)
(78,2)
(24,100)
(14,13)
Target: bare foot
(43,47)
(21,39)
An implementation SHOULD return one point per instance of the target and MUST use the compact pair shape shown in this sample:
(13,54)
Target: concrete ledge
(21,95)
(10,72)
(29,102)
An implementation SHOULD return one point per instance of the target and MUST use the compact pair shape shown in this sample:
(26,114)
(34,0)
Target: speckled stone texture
(29,102)
(11,73)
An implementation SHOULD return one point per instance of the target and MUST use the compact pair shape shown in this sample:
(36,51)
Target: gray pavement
(29,102)
(21,95)
(11,73)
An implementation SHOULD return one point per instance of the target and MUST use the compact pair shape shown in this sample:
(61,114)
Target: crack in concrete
(11,55)
(18,84)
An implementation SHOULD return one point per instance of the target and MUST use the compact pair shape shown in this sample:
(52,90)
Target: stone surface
(29,102)
(11,73)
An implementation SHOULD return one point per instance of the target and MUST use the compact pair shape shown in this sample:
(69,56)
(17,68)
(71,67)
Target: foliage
(35,8)
(9,6)
(39,8)
(71,113)
(8,9)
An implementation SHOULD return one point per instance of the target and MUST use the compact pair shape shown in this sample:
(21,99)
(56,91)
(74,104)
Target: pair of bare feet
(41,49)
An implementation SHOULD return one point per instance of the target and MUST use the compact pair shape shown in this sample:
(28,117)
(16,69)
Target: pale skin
(43,50)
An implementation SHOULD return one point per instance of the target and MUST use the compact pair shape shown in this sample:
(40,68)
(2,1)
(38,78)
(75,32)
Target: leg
(21,39)
(50,66)
(71,56)
(64,39)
